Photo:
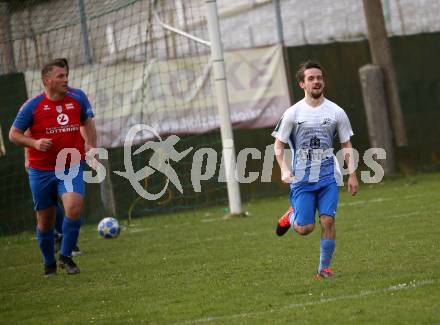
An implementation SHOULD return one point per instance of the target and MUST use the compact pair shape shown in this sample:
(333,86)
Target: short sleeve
(25,116)
(284,128)
(86,107)
(343,126)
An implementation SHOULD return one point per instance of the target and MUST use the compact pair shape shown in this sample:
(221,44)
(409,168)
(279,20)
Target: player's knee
(45,224)
(305,229)
(327,221)
(46,219)
(73,212)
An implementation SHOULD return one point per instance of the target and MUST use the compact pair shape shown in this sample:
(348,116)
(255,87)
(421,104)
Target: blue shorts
(306,198)
(47,185)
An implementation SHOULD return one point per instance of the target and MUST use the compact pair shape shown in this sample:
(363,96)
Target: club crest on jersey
(59,108)
(326,121)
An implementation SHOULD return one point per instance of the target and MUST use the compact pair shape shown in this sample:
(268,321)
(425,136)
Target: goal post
(218,66)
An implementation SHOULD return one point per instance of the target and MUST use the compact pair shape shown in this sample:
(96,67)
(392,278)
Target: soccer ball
(109,228)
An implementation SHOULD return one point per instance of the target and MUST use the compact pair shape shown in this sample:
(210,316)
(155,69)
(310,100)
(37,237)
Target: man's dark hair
(304,66)
(59,62)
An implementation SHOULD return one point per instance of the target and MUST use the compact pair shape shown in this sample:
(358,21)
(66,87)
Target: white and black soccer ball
(109,228)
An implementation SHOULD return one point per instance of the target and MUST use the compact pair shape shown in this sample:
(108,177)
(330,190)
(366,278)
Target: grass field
(199,268)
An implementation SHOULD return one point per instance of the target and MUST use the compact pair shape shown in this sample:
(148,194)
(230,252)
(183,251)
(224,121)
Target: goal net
(143,63)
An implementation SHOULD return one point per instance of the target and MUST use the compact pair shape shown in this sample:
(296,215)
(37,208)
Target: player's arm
(286,174)
(88,133)
(22,122)
(353,185)
(281,135)
(26,151)
(82,131)
(87,128)
(18,137)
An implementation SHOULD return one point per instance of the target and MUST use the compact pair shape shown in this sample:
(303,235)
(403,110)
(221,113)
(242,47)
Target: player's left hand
(91,158)
(353,184)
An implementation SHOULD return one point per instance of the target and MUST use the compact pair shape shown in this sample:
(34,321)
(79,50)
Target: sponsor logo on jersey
(62,119)
(46,107)
(315,142)
(70,106)
(62,129)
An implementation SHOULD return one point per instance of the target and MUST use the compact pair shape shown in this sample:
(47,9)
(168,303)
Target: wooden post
(381,55)
(373,93)
(7,61)
(107,194)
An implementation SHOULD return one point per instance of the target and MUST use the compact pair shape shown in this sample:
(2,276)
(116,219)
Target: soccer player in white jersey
(309,127)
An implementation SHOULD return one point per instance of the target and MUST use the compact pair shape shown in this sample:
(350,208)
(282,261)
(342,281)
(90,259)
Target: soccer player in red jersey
(59,215)
(56,159)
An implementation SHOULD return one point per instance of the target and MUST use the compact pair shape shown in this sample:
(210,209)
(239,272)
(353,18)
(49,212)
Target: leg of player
(327,245)
(58,226)
(59,218)
(304,230)
(59,230)
(72,202)
(45,235)
(43,189)
(283,224)
(72,193)
(303,201)
(327,198)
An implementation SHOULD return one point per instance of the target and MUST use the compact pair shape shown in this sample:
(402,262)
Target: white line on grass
(401,215)
(408,214)
(380,200)
(366,201)
(211,220)
(136,230)
(363,293)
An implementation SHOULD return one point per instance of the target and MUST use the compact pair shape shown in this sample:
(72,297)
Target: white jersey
(310,131)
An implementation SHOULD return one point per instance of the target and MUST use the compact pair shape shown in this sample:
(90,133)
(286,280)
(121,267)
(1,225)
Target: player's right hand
(43,144)
(286,176)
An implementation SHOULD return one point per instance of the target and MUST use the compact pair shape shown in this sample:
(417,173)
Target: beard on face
(316,95)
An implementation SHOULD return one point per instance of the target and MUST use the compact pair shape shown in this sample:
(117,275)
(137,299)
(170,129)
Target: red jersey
(56,120)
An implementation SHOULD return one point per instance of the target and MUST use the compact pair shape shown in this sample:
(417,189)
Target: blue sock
(327,249)
(59,219)
(46,242)
(70,235)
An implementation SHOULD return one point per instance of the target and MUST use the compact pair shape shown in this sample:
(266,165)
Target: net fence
(134,71)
